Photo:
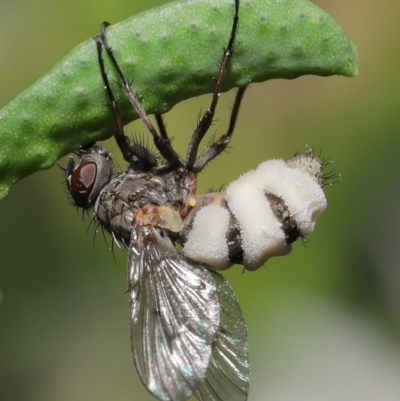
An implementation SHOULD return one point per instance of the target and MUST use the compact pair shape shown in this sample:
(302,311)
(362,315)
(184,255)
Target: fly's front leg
(162,142)
(130,150)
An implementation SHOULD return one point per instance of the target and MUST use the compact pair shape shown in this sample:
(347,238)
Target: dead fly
(188,335)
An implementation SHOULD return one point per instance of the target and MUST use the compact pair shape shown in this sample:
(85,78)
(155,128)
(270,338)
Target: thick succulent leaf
(171,53)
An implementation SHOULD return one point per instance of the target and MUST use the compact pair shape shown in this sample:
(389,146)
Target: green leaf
(171,53)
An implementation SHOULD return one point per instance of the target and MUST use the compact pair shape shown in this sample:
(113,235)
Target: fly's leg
(162,142)
(220,145)
(130,150)
(206,119)
(161,127)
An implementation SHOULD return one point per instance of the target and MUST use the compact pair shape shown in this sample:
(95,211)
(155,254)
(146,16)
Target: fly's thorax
(258,216)
(142,197)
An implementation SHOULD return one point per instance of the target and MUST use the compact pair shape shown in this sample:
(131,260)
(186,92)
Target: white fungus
(206,241)
(302,195)
(261,233)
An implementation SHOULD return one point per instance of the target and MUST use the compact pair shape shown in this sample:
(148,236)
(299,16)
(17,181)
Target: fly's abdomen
(259,215)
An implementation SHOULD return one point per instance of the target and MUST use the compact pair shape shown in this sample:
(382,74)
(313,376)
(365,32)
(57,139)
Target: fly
(188,336)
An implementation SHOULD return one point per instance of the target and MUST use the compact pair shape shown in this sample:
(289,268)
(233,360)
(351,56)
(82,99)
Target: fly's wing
(174,315)
(229,370)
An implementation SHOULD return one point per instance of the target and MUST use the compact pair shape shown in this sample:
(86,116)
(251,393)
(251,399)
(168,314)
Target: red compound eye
(86,178)
(82,182)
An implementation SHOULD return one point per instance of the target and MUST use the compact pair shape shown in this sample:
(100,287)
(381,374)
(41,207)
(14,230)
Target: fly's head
(87,177)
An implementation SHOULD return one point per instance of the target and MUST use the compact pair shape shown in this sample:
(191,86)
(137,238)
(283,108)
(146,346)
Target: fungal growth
(259,215)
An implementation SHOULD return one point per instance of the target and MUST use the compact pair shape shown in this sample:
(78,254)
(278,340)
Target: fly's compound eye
(89,176)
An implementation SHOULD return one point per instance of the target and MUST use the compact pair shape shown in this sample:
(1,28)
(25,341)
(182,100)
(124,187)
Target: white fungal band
(206,241)
(303,196)
(261,233)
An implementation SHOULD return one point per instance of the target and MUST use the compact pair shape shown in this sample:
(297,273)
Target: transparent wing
(174,315)
(229,370)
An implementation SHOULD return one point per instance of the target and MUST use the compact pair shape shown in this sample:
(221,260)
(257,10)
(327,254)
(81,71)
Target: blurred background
(324,322)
